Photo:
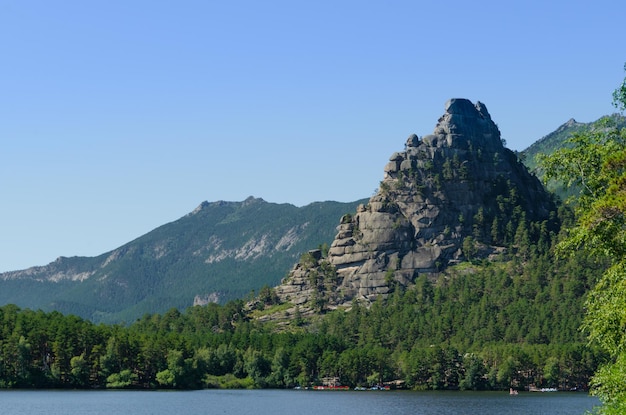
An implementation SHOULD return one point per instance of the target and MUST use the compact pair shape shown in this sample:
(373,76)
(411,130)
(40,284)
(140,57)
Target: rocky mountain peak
(453,195)
(464,124)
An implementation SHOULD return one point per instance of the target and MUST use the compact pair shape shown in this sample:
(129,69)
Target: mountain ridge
(220,250)
(557,138)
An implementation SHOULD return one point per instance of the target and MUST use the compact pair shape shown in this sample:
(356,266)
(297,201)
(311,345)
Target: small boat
(536,389)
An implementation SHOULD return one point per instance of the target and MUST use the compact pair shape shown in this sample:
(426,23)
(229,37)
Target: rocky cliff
(455,194)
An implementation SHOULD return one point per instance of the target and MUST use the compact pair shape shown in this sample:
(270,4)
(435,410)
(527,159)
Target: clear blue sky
(117,116)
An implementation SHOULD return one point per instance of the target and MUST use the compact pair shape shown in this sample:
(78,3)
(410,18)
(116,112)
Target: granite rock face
(455,193)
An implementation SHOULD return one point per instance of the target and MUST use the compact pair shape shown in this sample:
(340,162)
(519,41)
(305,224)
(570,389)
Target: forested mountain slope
(218,252)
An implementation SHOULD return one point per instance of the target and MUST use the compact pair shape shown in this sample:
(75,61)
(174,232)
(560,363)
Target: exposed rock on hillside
(452,195)
(218,252)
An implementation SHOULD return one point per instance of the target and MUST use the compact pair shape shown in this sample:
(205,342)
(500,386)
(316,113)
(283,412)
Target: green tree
(619,95)
(181,372)
(257,367)
(595,164)
(279,376)
(551,372)
(507,372)
(469,247)
(80,370)
(124,379)
(474,376)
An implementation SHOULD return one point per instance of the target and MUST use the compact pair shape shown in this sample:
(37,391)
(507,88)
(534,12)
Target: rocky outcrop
(447,196)
(202,300)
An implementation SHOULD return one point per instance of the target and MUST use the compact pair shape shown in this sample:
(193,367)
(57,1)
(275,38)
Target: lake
(290,402)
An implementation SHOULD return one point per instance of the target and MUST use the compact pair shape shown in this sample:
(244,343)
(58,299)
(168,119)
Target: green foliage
(580,163)
(384,188)
(595,164)
(228,381)
(308,260)
(469,247)
(474,377)
(619,95)
(181,371)
(608,385)
(268,296)
(80,370)
(126,378)
(481,326)
(560,139)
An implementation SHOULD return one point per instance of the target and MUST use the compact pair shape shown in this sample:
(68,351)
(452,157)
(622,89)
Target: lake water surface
(290,402)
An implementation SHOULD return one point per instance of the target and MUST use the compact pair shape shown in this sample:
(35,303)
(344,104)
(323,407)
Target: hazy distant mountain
(220,251)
